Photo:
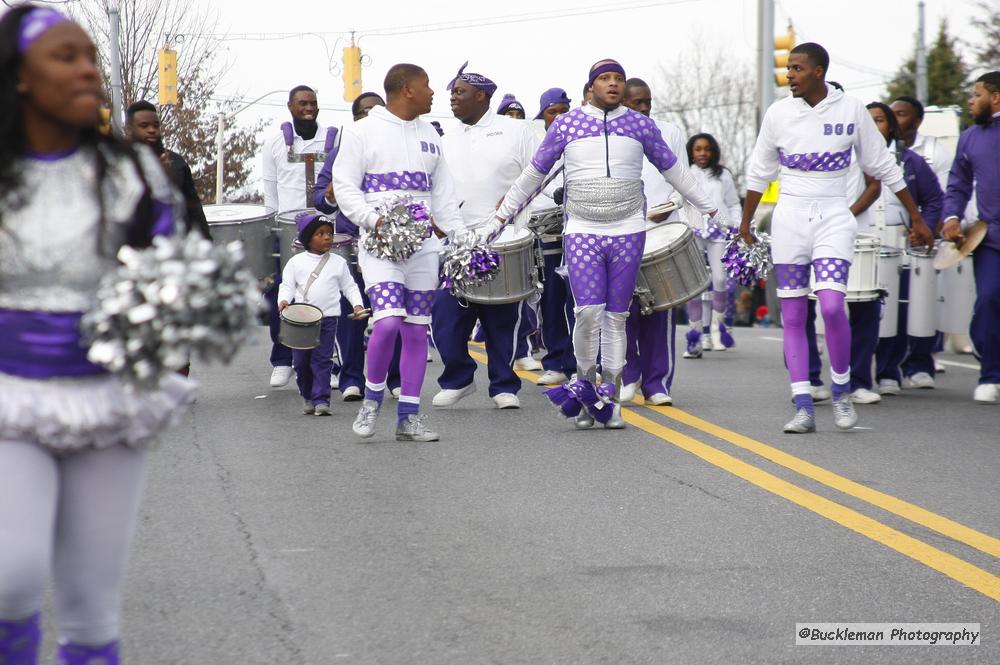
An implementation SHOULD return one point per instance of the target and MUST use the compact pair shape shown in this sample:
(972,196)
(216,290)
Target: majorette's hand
(745,233)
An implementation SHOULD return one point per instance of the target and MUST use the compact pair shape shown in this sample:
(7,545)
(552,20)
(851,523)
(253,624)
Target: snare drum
(517,279)
(890,266)
(301,325)
(288,238)
(673,269)
(956,298)
(250,224)
(921,319)
(547,221)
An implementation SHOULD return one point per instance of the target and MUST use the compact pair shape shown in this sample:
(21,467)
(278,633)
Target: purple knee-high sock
(838,339)
(796,347)
(79,654)
(719,301)
(380,348)
(412,367)
(19,640)
(694,312)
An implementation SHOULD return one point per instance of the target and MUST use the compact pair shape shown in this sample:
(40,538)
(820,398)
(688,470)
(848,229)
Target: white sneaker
(352,394)
(888,387)
(628,392)
(844,415)
(918,380)
(820,393)
(987,393)
(281,375)
(395,392)
(507,401)
(865,396)
(660,399)
(527,364)
(706,342)
(938,367)
(364,423)
(447,397)
(551,378)
(334,381)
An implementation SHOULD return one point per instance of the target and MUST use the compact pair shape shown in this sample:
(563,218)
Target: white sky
(530,56)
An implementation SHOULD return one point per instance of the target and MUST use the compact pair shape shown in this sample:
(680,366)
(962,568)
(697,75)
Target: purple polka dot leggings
(603,269)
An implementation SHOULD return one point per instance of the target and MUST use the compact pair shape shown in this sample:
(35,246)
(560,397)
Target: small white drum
(300,326)
(673,268)
(250,224)
(956,298)
(862,280)
(890,265)
(922,316)
(517,279)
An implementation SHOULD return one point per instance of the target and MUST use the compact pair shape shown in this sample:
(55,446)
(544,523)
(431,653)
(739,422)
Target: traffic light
(168,77)
(104,121)
(352,72)
(782,46)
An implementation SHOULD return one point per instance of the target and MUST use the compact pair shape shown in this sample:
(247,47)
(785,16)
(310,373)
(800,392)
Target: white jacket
(655,187)
(334,280)
(810,147)
(284,181)
(383,156)
(485,160)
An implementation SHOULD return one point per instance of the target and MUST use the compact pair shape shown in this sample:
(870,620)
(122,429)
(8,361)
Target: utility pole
(117,110)
(921,59)
(765,66)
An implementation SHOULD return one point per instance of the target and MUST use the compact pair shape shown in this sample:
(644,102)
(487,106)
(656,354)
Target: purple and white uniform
(605,211)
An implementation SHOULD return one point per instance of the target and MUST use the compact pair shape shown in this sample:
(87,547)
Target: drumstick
(363,314)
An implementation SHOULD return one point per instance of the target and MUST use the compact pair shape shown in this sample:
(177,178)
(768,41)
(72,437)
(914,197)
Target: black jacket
(180,175)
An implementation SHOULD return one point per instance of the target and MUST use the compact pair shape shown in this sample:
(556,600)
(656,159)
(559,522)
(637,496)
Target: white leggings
(78,512)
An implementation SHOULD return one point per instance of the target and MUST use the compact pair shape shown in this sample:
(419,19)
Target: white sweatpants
(78,512)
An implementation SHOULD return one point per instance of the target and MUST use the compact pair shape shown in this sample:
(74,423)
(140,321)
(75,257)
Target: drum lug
(645,298)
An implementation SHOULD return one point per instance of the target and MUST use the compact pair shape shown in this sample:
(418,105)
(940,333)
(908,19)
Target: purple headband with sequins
(611,66)
(477,80)
(34,24)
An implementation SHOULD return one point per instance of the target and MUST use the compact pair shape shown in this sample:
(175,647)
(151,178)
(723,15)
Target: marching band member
(351,331)
(975,166)
(392,152)
(486,153)
(509,106)
(703,152)
(284,177)
(556,302)
(909,116)
(73,439)
(808,139)
(650,338)
(604,145)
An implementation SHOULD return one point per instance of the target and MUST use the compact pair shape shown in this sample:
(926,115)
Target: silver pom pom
(405,226)
(464,264)
(180,298)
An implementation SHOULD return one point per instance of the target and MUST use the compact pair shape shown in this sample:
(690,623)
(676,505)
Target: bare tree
(189,128)
(707,90)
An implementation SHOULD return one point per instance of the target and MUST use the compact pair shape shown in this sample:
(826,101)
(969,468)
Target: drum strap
(315,273)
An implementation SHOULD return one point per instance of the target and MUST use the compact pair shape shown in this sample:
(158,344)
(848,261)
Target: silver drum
(518,276)
(250,224)
(288,238)
(673,269)
(547,221)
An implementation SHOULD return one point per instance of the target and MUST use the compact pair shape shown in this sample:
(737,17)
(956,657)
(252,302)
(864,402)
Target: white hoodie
(811,147)
(383,156)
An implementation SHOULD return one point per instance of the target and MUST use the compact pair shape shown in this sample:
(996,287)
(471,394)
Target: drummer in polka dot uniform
(393,152)
(806,140)
(604,145)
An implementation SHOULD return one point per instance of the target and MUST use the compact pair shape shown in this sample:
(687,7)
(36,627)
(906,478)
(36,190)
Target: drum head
(288,216)
(234,213)
(341,239)
(511,234)
(664,235)
(302,314)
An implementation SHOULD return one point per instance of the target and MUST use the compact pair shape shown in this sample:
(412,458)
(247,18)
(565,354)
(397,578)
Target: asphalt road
(700,534)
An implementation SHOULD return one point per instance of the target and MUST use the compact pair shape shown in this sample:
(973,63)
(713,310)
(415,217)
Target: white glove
(719,219)
(488,229)
(677,199)
(463,237)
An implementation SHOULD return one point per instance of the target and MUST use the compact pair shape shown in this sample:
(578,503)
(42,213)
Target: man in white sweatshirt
(486,153)
(391,153)
(806,140)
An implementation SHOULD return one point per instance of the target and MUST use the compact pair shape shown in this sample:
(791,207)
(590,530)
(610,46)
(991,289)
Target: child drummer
(317,277)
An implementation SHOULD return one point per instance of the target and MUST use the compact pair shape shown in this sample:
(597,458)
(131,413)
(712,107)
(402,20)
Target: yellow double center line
(958,569)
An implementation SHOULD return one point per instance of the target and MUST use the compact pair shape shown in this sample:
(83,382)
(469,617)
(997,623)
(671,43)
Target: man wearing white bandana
(391,153)
(604,145)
